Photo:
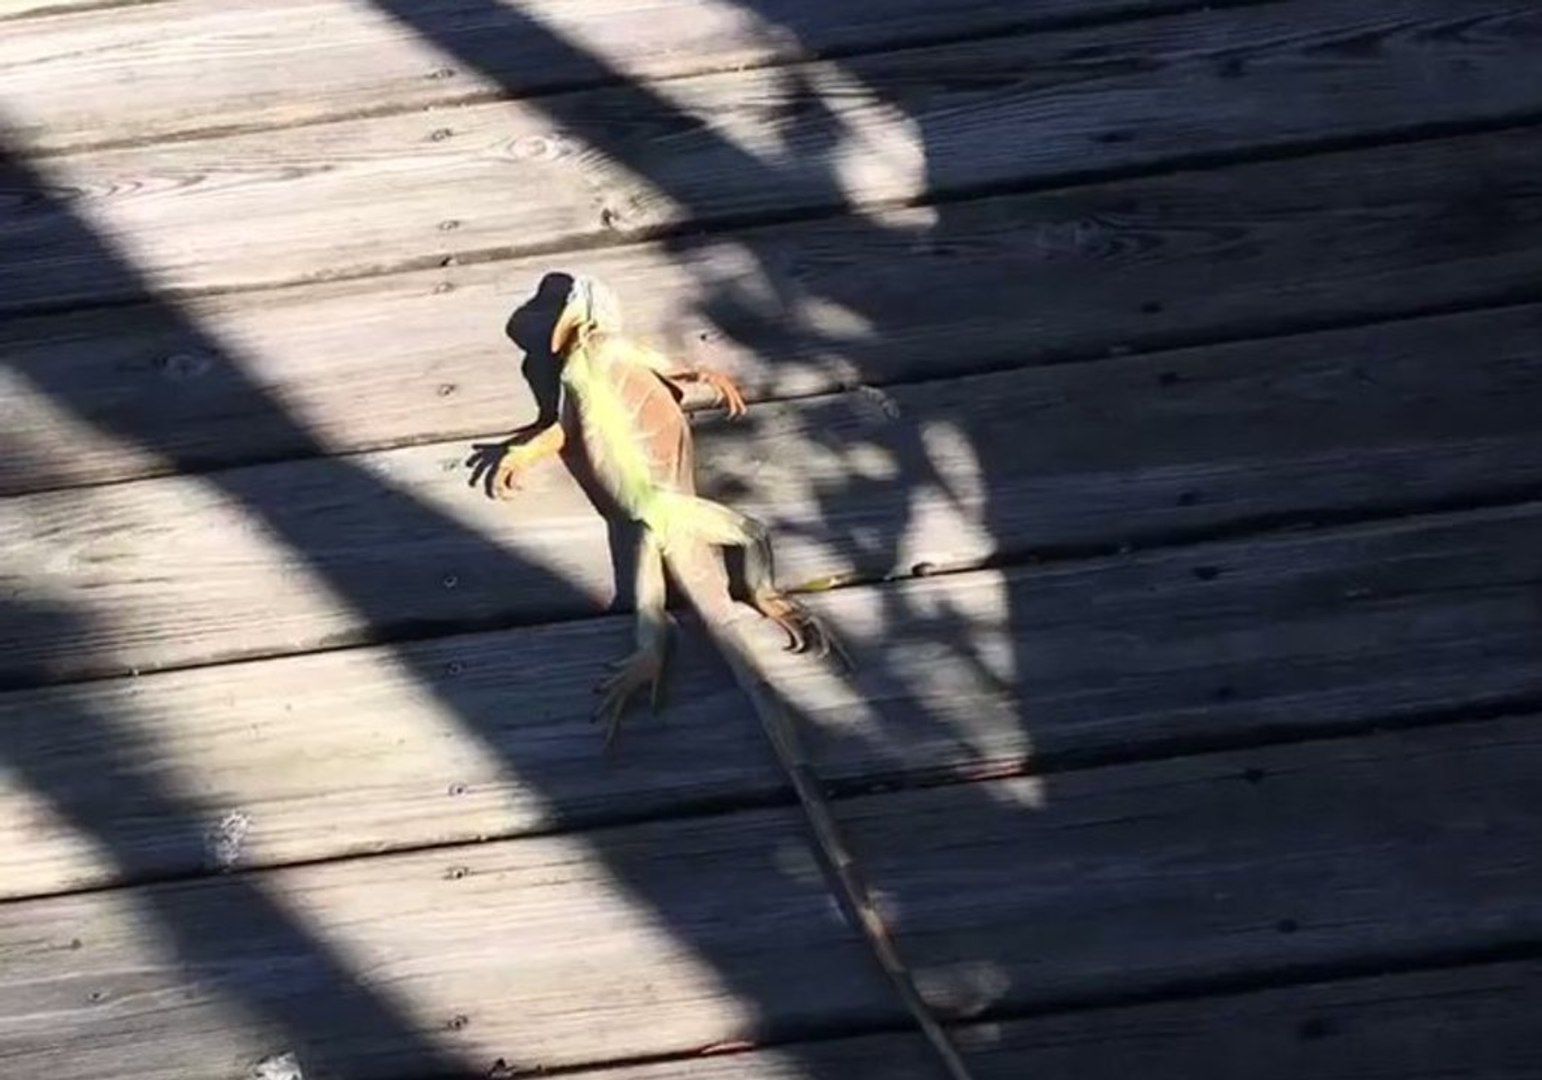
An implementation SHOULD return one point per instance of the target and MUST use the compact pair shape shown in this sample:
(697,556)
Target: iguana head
(590,306)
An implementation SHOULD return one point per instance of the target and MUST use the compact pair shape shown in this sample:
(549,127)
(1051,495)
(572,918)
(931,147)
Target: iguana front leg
(645,665)
(728,395)
(516,459)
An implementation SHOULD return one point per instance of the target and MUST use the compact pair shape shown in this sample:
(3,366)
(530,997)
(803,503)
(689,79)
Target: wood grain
(16,10)
(545,174)
(292,557)
(980,674)
(657,939)
(65,78)
(1463,1022)
(1390,844)
(1472,1022)
(1119,886)
(792,310)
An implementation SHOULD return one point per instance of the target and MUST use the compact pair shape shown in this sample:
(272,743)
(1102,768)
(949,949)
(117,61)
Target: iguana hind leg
(715,523)
(644,666)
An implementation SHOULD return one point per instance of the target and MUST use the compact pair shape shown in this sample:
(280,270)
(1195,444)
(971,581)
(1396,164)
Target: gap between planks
(1088,887)
(1430,1025)
(1132,265)
(375,63)
(711,152)
(288,558)
(1470,1022)
(465,738)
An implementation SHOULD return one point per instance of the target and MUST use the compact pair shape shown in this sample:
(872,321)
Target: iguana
(625,401)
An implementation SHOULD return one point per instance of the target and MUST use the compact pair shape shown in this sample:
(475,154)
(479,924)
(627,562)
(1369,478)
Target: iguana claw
(803,628)
(645,667)
(727,392)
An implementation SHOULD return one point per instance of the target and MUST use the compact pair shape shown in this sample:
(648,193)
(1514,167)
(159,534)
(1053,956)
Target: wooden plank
(1460,1023)
(544,174)
(291,557)
(512,938)
(487,735)
(1471,1022)
(124,75)
(1135,264)
(663,938)
(1135,879)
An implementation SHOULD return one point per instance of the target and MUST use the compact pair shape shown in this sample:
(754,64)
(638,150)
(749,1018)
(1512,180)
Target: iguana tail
(688,519)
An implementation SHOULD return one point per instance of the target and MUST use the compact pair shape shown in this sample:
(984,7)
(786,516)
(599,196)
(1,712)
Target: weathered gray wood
(1464,1023)
(124,75)
(548,173)
(487,735)
(286,558)
(562,949)
(663,938)
(1129,880)
(353,752)
(1477,1023)
(1127,265)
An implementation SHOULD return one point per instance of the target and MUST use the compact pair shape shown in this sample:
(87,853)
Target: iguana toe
(644,667)
(803,628)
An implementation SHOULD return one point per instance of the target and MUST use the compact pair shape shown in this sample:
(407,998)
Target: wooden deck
(1149,391)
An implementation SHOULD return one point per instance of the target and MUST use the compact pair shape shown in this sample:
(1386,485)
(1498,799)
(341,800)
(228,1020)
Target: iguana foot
(645,667)
(499,466)
(727,391)
(507,477)
(804,629)
(728,395)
